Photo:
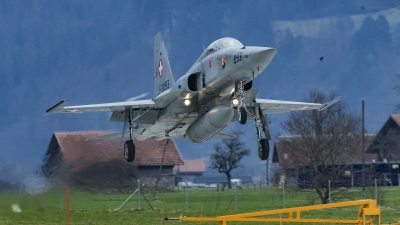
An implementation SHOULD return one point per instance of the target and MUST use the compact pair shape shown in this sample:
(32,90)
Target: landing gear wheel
(129,151)
(242,115)
(263,148)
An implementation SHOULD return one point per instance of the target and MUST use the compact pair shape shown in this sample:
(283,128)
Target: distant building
(222,179)
(386,145)
(189,170)
(101,164)
(292,173)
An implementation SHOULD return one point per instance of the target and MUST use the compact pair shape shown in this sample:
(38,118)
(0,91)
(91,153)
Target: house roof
(392,123)
(286,159)
(191,166)
(79,153)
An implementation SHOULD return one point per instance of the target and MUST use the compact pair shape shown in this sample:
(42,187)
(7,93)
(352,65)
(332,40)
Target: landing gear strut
(242,111)
(129,146)
(263,143)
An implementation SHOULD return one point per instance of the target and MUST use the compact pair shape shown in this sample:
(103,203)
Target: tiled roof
(286,159)
(383,137)
(79,153)
(191,166)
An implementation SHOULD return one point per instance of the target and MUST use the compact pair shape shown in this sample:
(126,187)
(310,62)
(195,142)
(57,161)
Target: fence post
(329,191)
(138,184)
(186,189)
(283,194)
(376,190)
(235,194)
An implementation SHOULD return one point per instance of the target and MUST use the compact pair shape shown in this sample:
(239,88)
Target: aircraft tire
(129,151)
(242,115)
(263,149)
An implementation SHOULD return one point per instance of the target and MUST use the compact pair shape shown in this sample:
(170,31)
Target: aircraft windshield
(223,43)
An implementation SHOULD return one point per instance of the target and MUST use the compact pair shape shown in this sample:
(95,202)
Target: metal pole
(127,199)
(376,190)
(267,172)
(186,197)
(363,145)
(67,204)
(283,194)
(235,194)
(329,191)
(138,185)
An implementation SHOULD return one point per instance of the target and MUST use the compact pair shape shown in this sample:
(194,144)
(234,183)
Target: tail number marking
(237,58)
(163,86)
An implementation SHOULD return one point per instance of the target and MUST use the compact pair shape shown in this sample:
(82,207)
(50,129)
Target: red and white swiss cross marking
(160,68)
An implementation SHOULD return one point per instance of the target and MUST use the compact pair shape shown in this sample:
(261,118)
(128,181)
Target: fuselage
(210,82)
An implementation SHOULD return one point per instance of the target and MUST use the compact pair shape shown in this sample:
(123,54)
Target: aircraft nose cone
(263,55)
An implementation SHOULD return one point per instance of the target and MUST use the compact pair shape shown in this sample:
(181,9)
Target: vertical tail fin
(163,79)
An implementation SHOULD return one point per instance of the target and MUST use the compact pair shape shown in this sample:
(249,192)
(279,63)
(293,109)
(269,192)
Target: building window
(347,173)
(395,166)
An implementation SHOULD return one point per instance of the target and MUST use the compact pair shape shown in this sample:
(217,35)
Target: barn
(100,164)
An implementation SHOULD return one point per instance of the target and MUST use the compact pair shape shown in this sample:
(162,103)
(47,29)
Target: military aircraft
(215,91)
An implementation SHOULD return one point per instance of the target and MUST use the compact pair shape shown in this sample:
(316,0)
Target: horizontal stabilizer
(166,97)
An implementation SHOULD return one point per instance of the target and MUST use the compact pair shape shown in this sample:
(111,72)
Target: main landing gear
(129,150)
(261,124)
(129,146)
(242,111)
(263,143)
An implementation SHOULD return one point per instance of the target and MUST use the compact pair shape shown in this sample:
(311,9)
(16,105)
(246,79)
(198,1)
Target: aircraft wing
(277,106)
(116,106)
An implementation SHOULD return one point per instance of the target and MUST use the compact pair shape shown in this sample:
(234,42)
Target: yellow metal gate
(368,213)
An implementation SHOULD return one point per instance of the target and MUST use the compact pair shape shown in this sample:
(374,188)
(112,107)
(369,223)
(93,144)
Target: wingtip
(331,102)
(57,106)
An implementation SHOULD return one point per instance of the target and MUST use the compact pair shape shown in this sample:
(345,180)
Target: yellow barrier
(368,212)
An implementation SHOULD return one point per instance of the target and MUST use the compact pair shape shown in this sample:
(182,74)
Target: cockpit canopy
(223,43)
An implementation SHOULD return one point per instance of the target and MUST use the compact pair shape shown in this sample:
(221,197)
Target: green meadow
(96,208)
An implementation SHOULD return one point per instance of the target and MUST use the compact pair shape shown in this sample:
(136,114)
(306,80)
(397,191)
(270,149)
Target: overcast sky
(101,51)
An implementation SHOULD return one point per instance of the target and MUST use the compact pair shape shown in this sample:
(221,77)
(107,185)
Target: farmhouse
(294,165)
(100,164)
(190,170)
(386,145)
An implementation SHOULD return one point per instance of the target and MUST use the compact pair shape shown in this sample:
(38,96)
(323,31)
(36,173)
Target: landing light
(235,101)
(186,102)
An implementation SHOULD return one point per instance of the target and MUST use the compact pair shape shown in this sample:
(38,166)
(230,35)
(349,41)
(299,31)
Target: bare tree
(323,144)
(228,155)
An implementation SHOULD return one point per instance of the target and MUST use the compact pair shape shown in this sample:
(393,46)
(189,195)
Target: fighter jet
(215,91)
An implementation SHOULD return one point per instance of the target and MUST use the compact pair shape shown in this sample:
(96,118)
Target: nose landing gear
(242,114)
(242,110)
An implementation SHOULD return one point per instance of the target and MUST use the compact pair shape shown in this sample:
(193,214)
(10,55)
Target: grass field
(90,208)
